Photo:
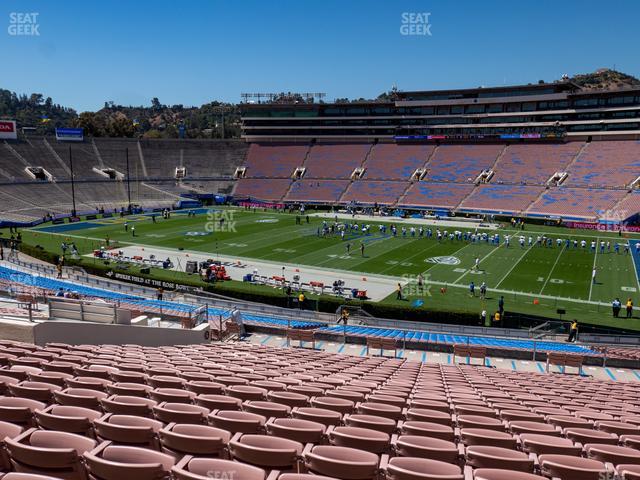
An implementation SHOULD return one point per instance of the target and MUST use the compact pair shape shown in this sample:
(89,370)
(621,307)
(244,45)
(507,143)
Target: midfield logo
(447,260)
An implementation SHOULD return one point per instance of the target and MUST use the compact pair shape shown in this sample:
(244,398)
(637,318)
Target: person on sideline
(573,332)
(616,306)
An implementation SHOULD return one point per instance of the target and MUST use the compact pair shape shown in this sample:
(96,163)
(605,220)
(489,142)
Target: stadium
(430,284)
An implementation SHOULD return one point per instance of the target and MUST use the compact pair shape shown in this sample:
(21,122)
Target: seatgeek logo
(415,24)
(23,24)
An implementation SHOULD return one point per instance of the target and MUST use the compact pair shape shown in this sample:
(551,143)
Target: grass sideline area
(534,280)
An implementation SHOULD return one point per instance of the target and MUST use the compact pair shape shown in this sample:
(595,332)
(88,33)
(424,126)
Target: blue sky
(195,51)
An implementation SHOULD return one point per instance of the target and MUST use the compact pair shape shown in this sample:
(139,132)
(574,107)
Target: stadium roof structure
(548,111)
(480,92)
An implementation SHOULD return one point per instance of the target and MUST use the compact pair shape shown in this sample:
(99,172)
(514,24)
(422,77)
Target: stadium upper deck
(530,111)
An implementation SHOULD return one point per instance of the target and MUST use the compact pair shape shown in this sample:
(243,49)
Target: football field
(534,279)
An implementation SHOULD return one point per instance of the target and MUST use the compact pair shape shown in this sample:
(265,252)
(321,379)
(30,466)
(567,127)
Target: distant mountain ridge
(604,79)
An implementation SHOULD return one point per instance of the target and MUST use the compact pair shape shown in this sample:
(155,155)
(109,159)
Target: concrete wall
(95,334)
(18,330)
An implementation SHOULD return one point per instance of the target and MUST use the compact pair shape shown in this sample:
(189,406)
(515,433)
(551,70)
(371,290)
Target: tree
(92,124)
(120,126)
(170,131)
(35,99)
(153,133)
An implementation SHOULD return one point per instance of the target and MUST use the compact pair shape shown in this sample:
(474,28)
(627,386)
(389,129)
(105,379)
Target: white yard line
(595,257)
(635,267)
(552,269)
(481,260)
(422,252)
(514,265)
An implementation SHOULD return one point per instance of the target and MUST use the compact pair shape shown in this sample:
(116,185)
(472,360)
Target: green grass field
(534,280)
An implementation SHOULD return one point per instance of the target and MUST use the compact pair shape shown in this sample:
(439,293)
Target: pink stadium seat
(235,421)
(190,468)
(65,418)
(199,440)
(568,467)
(128,405)
(7,430)
(168,412)
(407,468)
(303,431)
(128,429)
(487,437)
(342,462)
(366,439)
(117,462)
(49,453)
(425,447)
(480,456)
(266,451)
(19,410)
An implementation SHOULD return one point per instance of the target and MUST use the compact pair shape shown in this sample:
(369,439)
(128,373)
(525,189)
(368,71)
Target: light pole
(221,110)
(126,152)
(73,187)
